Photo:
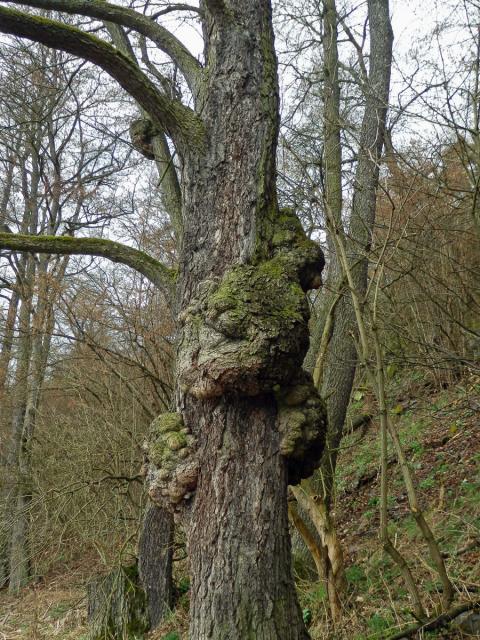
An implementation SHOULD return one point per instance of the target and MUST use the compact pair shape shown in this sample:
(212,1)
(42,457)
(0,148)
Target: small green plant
(428,482)
(317,594)
(183,585)
(378,623)
(355,574)
(307,616)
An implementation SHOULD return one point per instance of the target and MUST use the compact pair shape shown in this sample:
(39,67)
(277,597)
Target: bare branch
(166,41)
(171,8)
(160,275)
(178,121)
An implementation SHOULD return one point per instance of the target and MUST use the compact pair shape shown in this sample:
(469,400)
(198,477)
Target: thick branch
(166,41)
(178,121)
(155,271)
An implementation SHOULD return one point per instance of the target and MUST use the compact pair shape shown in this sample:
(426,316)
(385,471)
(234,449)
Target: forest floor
(440,431)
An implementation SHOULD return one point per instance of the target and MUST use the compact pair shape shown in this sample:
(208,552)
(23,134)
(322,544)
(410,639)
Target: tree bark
(238,542)
(237,524)
(155,555)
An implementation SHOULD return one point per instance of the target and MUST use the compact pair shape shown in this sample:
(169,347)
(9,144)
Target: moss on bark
(172,468)
(248,331)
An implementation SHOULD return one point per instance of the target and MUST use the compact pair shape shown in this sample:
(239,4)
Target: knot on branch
(302,424)
(248,331)
(142,132)
(171,466)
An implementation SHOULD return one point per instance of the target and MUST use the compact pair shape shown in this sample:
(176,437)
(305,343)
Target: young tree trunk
(16,503)
(7,453)
(41,331)
(7,341)
(336,372)
(319,509)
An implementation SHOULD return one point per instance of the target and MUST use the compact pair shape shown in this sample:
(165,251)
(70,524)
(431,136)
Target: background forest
(386,532)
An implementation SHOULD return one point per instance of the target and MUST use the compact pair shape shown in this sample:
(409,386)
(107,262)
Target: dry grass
(441,433)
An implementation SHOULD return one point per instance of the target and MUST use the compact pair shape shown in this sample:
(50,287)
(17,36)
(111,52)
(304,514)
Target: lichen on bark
(248,331)
(171,466)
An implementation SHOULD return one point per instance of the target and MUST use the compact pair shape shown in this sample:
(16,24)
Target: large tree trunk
(232,494)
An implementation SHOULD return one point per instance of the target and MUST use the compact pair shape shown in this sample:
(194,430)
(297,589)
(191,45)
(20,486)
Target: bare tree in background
(52,177)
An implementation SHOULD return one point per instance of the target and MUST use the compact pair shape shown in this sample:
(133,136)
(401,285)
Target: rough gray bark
(155,554)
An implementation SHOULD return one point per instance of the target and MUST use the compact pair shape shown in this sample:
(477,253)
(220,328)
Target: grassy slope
(441,433)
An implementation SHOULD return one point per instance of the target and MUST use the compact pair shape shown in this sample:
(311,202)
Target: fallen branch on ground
(438,622)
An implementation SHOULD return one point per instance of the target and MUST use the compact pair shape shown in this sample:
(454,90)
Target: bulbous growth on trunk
(171,466)
(302,423)
(248,331)
(303,254)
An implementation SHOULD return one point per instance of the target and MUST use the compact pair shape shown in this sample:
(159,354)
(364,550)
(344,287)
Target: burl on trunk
(248,420)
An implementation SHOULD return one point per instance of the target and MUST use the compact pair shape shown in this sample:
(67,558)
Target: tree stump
(117,606)
(155,555)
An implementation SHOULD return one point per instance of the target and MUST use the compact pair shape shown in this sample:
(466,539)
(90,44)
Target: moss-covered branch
(155,271)
(166,41)
(178,121)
